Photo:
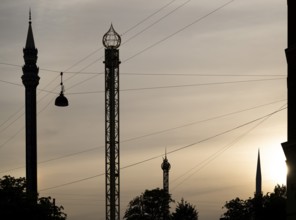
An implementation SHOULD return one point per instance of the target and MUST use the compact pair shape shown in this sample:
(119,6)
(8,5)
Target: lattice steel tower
(111,41)
(166,166)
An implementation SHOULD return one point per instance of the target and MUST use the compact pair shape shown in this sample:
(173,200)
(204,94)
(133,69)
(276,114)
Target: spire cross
(30,16)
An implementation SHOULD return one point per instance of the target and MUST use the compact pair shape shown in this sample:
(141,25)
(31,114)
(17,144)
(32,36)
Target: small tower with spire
(258,191)
(30,80)
(165,166)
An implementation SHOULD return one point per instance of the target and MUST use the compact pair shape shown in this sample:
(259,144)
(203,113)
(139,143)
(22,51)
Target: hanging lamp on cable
(61,100)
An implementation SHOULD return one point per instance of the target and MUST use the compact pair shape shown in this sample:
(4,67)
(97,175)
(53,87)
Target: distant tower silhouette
(258,191)
(111,41)
(289,147)
(165,166)
(30,80)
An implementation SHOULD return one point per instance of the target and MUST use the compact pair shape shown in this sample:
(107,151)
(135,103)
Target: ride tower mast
(111,42)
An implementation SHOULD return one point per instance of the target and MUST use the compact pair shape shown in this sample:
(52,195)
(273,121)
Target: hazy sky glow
(204,81)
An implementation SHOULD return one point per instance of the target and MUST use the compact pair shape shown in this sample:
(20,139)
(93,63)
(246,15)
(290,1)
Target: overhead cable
(170,152)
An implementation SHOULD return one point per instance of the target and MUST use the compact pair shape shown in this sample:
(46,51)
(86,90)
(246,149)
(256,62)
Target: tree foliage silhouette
(16,203)
(271,206)
(185,211)
(150,205)
(154,205)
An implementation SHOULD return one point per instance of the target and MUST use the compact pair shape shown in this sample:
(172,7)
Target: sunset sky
(205,80)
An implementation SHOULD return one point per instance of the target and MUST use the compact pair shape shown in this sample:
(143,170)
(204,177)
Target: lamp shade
(61,100)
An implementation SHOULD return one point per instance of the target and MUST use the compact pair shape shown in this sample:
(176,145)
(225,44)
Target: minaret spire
(30,44)
(30,17)
(258,177)
(30,80)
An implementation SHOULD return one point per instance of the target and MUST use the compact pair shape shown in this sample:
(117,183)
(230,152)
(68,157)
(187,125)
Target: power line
(90,64)
(21,109)
(225,132)
(151,15)
(48,70)
(170,152)
(150,74)
(197,74)
(200,84)
(147,88)
(76,181)
(81,82)
(157,21)
(73,75)
(10,117)
(11,83)
(10,64)
(205,162)
(178,86)
(75,64)
(12,137)
(196,21)
(92,53)
(69,68)
(7,126)
(102,47)
(178,31)
(199,19)
(48,92)
(201,121)
(95,51)
(22,128)
(152,134)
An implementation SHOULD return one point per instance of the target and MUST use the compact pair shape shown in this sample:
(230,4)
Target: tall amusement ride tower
(111,42)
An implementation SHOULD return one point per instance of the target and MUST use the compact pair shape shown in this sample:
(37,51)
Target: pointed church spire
(30,44)
(258,177)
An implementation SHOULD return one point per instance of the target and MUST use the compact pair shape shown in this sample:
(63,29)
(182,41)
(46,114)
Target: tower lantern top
(111,40)
(165,164)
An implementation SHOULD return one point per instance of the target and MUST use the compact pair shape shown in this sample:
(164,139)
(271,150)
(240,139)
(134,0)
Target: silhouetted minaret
(289,147)
(30,80)
(166,166)
(258,177)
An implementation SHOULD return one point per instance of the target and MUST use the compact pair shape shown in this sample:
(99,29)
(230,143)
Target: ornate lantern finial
(111,40)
